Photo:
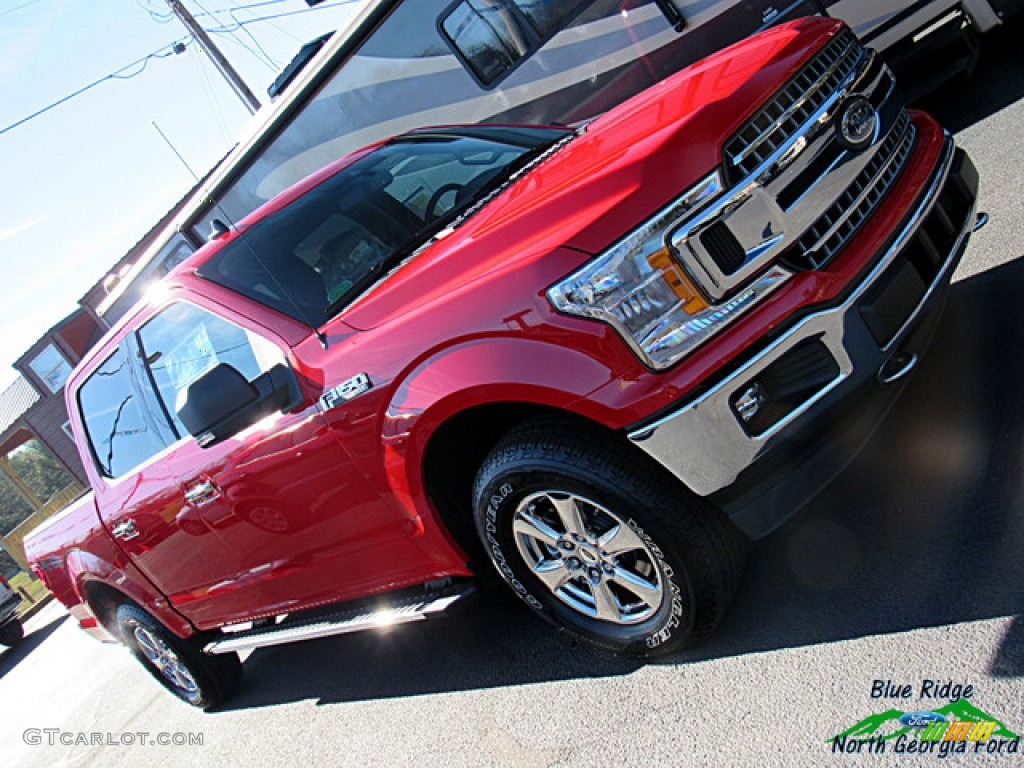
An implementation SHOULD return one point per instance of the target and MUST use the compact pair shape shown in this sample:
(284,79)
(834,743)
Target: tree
(13,509)
(8,565)
(40,470)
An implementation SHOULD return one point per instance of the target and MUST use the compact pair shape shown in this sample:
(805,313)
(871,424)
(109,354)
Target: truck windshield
(313,257)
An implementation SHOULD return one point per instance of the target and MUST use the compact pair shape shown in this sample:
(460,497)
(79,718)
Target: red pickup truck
(597,360)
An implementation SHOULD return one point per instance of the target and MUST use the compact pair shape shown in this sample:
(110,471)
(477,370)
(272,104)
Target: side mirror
(222,403)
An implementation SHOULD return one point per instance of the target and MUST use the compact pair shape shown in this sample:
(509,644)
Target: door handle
(201,493)
(125,530)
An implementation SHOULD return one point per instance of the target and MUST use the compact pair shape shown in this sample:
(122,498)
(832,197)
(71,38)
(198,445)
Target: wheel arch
(446,412)
(104,600)
(94,578)
(458,447)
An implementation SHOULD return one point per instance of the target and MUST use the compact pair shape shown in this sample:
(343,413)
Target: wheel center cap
(589,556)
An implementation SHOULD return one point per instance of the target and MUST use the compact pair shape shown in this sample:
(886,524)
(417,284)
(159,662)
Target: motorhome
(404,64)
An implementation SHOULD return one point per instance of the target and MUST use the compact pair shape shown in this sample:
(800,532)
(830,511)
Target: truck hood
(622,168)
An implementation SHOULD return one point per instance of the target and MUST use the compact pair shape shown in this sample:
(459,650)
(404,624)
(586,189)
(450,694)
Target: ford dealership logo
(857,123)
(921,719)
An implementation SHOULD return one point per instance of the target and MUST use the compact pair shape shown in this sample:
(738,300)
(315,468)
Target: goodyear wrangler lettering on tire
(662,636)
(599,543)
(495,550)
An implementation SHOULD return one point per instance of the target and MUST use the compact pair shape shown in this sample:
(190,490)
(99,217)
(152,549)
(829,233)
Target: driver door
(271,520)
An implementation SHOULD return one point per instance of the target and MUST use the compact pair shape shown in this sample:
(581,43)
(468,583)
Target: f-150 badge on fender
(345,391)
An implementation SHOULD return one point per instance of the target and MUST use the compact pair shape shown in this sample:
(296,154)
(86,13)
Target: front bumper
(814,378)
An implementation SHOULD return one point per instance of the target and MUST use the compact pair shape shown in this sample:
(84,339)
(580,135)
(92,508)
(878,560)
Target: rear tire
(180,666)
(602,544)
(12,633)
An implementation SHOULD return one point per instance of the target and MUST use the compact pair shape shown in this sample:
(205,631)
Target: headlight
(638,288)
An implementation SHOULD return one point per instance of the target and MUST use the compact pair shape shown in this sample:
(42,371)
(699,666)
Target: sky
(83,182)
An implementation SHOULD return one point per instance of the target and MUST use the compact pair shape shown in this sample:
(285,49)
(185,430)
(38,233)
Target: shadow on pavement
(11,657)
(926,528)
(494,642)
(1009,661)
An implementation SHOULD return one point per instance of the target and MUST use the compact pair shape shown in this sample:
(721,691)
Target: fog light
(750,402)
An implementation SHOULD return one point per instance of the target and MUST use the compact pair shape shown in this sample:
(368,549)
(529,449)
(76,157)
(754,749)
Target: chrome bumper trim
(704,444)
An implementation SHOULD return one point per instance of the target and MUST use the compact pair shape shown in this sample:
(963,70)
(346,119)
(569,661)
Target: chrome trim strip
(703,442)
(684,239)
(815,87)
(902,150)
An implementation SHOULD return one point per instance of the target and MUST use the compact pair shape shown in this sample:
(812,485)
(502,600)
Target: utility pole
(223,66)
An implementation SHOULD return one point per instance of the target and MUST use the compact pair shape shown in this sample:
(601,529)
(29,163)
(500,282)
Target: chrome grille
(781,118)
(841,221)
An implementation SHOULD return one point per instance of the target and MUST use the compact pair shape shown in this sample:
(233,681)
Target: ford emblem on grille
(857,123)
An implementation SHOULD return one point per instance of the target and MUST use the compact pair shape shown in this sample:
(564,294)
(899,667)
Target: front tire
(602,544)
(180,666)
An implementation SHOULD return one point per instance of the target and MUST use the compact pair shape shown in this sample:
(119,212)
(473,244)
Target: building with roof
(33,410)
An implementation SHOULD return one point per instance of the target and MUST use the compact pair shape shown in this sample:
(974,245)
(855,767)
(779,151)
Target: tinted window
(123,429)
(312,257)
(183,342)
(493,36)
(483,34)
(548,16)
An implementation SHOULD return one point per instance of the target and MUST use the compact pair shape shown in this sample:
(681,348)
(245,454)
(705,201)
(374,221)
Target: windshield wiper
(504,179)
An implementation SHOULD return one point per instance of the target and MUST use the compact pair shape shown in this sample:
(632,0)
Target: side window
(492,37)
(183,342)
(122,428)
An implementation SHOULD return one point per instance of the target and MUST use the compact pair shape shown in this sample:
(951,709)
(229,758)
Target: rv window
(492,37)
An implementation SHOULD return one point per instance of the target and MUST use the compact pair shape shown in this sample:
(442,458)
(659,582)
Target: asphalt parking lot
(907,571)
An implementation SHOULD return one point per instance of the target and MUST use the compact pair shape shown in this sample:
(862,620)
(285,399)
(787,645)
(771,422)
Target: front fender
(487,371)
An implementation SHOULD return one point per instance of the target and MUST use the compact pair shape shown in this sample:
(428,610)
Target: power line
(245,7)
(161,53)
(223,66)
(256,42)
(211,97)
(157,16)
(263,4)
(262,56)
(320,7)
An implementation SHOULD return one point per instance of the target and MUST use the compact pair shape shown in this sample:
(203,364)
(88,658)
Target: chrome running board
(415,608)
